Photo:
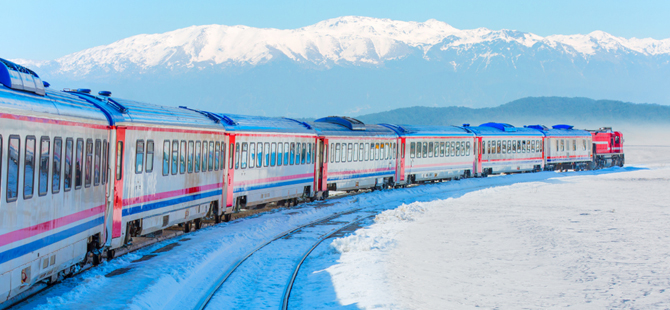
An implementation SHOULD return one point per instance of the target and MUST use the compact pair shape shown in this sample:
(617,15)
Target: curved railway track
(301,232)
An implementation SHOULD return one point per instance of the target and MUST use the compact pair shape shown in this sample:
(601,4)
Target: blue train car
(270,159)
(503,148)
(356,155)
(565,147)
(429,153)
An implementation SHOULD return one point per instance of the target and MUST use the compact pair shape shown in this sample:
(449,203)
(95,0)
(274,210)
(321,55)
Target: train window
(96,163)
(189,159)
(88,175)
(523,146)
(376,150)
(103,165)
(387,147)
(78,164)
(67,177)
(260,155)
(513,146)
(205,155)
(518,146)
(280,153)
(14,148)
(266,159)
(441,149)
(532,146)
(273,154)
(504,147)
(217,155)
(332,153)
(540,144)
(366,151)
(355,152)
(244,155)
(304,154)
(467,148)
(349,152)
(292,155)
(182,157)
(584,147)
(361,151)
(509,146)
(309,153)
(166,157)
(252,155)
(210,163)
(393,151)
(458,148)
(343,153)
(43,179)
(29,167)
(230,155)
(198,153)
(55,166)
(286,153)
(562,145)
(139,156)
(436,151)
(149,165)
(574,145)
(175,156)
(119,159)
(484,148)
(412,149)
(237,155)
(430,149)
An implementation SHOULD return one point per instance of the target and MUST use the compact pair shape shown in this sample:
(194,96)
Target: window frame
(139,156)
(44,168)
(8,197)
(56,164)
(97,149)
(68,171)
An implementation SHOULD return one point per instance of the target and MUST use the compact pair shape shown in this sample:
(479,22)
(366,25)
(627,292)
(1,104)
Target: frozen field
(585,240)
(590,240)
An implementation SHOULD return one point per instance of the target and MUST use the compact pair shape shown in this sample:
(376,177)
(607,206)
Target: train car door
(321,173)
(115,206)
(400,163)
(478,158)
(229,181)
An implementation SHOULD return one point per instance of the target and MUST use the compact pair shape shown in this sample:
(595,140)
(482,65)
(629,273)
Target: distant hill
(581,112)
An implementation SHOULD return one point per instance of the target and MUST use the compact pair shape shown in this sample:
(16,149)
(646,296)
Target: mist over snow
(362,65)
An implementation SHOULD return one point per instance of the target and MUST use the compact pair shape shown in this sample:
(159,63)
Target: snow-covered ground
(594,240)
(543,240)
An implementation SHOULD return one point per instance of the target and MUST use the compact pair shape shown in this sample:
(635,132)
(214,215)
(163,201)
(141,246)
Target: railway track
(319,230)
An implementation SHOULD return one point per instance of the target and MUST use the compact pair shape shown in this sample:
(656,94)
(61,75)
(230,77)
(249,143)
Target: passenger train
(82,174)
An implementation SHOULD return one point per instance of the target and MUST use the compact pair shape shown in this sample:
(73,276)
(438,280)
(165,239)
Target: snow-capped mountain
(346,49)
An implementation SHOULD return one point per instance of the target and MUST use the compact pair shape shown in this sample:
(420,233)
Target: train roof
(347,126)
(52,102)
(418,130)
(236,122)
(501,129)
(141,113)
(559,131)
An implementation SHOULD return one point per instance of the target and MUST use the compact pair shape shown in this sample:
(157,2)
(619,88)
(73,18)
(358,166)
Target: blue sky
(44,30)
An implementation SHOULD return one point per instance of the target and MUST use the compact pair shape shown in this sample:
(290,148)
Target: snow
(347,39)
(543,240)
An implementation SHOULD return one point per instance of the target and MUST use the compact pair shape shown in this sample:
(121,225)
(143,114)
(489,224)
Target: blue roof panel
(417,130)
(265,124)
(500,129)
(559,131)
(332,129)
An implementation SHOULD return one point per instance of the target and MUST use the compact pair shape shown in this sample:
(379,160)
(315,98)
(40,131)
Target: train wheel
(110,254)
(96,259)
(217,218)
(198,224)
(227,217)
(187,227)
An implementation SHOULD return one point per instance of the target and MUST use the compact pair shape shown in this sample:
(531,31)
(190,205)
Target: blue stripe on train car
(167,203)
(270,185)
(363,175)
(48,240)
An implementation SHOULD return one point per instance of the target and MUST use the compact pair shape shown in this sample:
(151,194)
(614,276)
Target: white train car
(429,153)
(503,148)
(52,180)
(356,155)
(167,168)
(270,160)
(565,148)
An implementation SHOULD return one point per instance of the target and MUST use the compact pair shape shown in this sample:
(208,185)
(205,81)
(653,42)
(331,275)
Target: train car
(503,148)
(167,168)
(356,156)
(565,148)
(270,160)
(607,148)
(429,153)
(52,180)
